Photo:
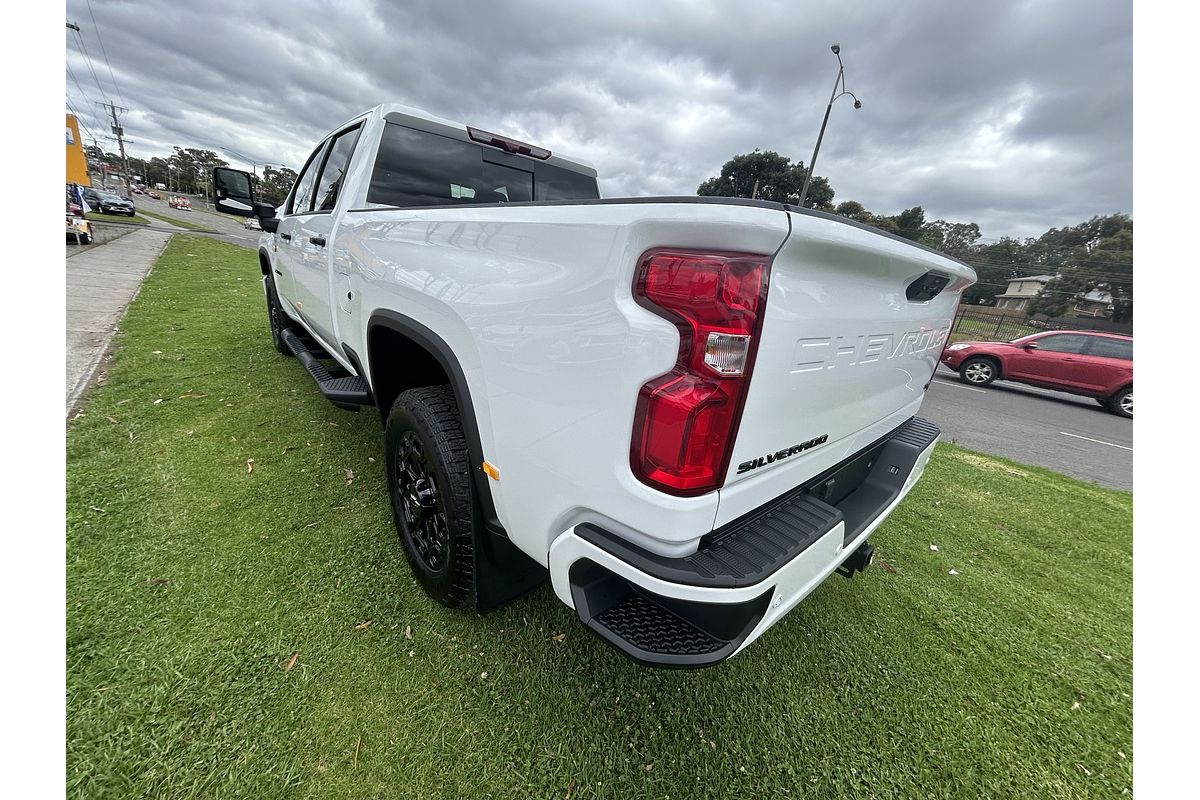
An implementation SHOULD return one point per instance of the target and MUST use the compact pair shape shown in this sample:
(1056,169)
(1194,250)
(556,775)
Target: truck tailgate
(845,356)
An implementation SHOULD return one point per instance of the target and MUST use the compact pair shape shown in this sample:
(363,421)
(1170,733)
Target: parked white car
(686,412)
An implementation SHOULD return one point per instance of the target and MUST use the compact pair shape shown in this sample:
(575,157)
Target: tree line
(1093,255)
(188,170)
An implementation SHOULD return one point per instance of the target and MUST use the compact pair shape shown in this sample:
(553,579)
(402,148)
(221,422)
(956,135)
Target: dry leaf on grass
(1075,706)
(111,419)
(933,547)
(158,581)
(408,631)
(292,661)
(558,637)
(349,477)
(249,465)
(953,572)
(889,568)
(362,626)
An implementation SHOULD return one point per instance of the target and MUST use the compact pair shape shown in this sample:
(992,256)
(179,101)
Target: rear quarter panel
(536,303)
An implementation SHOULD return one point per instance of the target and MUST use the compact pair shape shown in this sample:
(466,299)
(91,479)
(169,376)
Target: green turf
(193,580)
(136,219)
(183,223)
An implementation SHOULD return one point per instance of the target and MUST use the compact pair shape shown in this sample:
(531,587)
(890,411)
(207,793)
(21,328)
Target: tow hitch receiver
(858,561)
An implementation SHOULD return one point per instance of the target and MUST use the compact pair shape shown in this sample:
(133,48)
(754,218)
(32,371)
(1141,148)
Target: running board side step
(344,390)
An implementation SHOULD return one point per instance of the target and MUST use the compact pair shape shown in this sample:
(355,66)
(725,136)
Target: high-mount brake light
(687,419)
(508,145)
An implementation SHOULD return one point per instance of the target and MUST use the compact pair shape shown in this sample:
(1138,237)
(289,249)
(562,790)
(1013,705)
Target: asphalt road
(1059,431)
(231,230)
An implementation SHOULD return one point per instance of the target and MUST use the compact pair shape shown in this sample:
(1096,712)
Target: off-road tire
(426,449)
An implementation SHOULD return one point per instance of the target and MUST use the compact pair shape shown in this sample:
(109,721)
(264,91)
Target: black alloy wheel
(429,482)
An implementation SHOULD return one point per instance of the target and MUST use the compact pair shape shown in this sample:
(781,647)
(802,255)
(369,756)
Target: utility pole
(120,132)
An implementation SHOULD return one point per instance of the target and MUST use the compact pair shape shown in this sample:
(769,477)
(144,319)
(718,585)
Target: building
(1020,291)
(1097,303)
(77,170)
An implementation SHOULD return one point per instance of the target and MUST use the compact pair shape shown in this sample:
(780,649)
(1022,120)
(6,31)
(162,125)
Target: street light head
(836,48)
(858,104)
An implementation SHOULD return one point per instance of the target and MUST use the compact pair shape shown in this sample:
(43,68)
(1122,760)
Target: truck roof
(423,120)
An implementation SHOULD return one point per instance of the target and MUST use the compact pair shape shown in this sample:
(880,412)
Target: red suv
(1089,363)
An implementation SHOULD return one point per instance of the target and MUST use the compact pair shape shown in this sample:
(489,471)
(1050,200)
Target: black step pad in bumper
(662,631)
(342,389)
(751,548)
(671,632)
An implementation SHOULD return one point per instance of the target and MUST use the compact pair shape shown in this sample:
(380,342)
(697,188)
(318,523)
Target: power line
(79,117)
(104,52)
(1034,270)
(83,47)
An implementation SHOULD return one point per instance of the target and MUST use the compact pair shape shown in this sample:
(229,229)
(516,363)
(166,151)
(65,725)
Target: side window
(335,169)
(1111,348)
(1062,343)
(301,202)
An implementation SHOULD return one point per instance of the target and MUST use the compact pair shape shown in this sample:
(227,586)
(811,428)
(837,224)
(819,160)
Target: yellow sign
(77,171)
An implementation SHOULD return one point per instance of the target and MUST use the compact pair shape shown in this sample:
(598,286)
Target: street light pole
(839,80)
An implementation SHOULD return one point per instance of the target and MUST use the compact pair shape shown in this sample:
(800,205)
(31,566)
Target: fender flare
(503,571)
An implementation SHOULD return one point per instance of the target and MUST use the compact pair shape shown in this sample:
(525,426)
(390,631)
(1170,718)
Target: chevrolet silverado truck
(687,412)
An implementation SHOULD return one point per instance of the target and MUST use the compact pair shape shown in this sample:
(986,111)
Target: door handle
(287,237)
(277,272)
(1070,359)
(319,241)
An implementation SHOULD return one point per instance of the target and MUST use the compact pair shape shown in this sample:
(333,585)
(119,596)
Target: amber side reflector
(491,471)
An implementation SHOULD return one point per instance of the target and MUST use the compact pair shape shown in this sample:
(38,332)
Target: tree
(952,238)
(1097,254)
(193,167)
(909,223)
(274,184)
(767,175)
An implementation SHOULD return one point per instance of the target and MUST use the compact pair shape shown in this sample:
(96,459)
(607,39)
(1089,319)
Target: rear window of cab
(418,168)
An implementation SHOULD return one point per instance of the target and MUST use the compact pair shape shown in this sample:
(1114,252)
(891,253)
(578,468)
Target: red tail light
(687,419)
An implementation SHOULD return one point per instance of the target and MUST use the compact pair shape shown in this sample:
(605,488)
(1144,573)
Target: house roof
(1039,278)
(1095,296)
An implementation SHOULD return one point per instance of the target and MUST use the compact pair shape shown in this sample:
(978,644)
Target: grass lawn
(183,223)
(136,219)
(239,616)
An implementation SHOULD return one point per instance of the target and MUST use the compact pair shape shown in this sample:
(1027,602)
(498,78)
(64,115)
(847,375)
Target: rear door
(1107,363)
(314,233)
(288,242)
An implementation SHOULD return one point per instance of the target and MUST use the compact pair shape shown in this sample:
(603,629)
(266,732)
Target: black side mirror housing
(233,192)
(269,224)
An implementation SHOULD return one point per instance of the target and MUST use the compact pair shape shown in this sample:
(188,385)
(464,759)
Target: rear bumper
(700,609)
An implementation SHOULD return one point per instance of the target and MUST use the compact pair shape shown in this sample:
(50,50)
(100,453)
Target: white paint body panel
(535,302)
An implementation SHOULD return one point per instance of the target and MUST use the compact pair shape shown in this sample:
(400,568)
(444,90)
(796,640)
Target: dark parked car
(108,202)
(1088,363)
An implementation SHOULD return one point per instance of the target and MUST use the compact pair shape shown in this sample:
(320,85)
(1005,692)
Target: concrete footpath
(101,282)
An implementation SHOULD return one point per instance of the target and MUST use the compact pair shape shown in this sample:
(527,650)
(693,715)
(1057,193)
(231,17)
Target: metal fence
(989,326)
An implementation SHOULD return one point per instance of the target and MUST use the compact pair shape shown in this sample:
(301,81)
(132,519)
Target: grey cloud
(1015,115)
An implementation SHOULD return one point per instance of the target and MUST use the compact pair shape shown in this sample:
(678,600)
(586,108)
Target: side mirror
(233,192)
(266,217)
(1030,345)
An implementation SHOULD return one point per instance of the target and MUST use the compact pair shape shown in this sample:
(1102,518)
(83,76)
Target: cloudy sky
(1015,115)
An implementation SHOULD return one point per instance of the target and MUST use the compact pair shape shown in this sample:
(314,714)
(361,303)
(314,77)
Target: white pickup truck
(686,411)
